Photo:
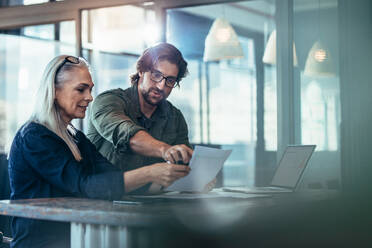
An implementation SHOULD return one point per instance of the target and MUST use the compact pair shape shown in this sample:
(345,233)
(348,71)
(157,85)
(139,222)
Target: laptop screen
(292,165)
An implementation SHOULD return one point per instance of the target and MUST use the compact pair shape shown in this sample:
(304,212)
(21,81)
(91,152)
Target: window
(123,29)
(113,39)
(21,68)
(24,2)
(219,99)
(319,94)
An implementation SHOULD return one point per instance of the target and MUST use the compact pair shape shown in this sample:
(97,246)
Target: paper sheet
(205,163)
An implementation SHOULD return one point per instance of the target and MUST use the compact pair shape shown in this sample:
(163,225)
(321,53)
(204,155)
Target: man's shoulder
(119,92)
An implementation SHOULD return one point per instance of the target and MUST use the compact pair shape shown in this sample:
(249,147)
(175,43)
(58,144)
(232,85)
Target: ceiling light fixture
(319,60)
(269,56)
(222,42)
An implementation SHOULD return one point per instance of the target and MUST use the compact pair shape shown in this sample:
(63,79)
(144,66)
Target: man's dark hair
(156,53)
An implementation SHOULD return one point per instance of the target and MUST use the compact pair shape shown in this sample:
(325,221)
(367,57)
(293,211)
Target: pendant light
(319,60)
(222,42)
(270,51)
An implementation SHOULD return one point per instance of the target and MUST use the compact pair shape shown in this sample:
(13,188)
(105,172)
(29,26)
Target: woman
(50,158)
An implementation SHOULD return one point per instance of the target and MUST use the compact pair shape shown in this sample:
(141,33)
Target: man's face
(154,92)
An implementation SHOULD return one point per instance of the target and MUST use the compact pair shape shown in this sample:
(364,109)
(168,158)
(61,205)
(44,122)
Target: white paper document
(205,163)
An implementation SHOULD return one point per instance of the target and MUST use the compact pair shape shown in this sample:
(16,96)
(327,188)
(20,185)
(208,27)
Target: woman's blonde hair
(46,110)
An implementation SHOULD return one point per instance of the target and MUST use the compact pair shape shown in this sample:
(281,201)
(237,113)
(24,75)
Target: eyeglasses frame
(70,59)
(164,77)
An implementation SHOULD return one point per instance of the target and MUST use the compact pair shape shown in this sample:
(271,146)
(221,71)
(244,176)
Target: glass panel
(110,70)
(21,67)
(270,106)
(187,98)
(21,2)
(29,2)
(67,32)
(113,39)
(123,29)
(39,31)
(317,43)
(220,99)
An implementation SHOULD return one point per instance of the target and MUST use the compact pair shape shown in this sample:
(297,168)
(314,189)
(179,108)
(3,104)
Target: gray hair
(46,110)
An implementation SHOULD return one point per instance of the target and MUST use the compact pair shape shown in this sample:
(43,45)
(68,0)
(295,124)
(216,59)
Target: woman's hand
(165,174)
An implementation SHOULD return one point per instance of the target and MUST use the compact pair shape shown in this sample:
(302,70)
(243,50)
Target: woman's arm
(53,162)
(163,174)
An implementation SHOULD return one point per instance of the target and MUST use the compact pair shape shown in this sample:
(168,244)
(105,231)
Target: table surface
(314,219)
(150,214)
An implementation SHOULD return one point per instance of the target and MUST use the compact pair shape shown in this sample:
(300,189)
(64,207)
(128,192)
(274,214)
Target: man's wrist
(163,149)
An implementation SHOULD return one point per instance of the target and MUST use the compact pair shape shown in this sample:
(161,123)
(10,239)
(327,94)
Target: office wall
(356,93)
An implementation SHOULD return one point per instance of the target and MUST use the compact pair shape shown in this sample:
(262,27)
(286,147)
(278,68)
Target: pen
(180,162)
(128,202)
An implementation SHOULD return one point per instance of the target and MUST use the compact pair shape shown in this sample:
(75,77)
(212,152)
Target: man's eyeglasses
(170,81)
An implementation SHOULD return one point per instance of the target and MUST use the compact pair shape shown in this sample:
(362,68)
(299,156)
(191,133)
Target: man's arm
(143,143)
(109,118)
(112,123)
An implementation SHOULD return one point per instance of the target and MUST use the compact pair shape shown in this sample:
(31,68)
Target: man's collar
(134,95)
(162,108)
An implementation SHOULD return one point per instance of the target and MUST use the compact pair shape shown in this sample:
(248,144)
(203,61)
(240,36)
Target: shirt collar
(160,111)
(134,96)
(72,130)
(75,134)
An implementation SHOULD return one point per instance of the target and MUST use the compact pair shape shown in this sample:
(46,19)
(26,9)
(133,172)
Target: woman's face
(74,94)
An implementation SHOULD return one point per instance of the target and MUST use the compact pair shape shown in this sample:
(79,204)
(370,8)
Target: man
(138,126)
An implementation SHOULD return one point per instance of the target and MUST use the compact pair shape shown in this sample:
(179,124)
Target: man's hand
(165,174)
(144,144)
(178,153)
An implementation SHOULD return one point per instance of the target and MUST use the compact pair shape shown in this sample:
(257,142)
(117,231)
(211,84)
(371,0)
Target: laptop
(288,173)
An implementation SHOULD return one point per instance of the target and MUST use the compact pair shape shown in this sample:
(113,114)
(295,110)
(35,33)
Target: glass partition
(223,101)
(316,38)
(113,38)
(24,53)
(21,2)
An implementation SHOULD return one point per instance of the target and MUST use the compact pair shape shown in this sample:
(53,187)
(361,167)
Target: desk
(290,219)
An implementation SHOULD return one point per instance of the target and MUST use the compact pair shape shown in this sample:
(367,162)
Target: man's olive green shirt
(115,116)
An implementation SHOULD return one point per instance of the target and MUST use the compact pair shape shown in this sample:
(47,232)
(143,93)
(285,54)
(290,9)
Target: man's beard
(147,98)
